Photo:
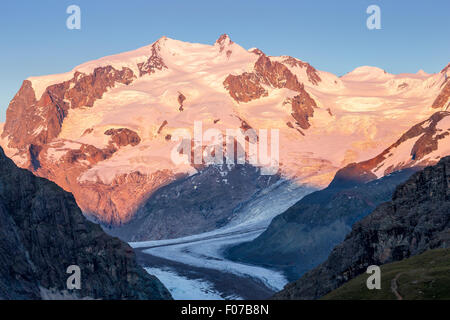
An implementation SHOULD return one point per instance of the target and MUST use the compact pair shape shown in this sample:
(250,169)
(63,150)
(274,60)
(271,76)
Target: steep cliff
(43,232)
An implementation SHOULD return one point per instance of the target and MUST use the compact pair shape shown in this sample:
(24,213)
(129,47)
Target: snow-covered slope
(423,144)
(106,131)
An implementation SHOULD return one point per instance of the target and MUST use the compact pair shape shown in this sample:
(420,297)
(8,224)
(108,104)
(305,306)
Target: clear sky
(331,35)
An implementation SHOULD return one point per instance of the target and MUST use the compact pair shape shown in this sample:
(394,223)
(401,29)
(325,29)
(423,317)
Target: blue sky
(331,35)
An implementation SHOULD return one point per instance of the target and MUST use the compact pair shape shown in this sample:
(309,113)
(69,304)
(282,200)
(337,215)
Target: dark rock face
(312,73)
(154,62)
(119,138)
(181,99)
(417,219)
(303,236)
(195,204)
(42,232)
(123,137)
(21,119)
(245,87)
(224,42)
(165,123)
(249,86)
(14,261)
(276,74)
(428,142)
(302,108)
(257,52)
(89,153)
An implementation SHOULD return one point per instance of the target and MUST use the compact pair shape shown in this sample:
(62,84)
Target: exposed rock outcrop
(302,108)
(181,99)
(42,233)
(245,87)
(250,86)
(223,42)
(123,137)
(154,62)
(442,100)
(276,74)
(313,75)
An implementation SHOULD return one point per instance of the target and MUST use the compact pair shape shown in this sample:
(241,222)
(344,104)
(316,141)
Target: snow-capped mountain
(106,130)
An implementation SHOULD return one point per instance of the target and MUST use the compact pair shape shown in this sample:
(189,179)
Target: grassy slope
(426,276)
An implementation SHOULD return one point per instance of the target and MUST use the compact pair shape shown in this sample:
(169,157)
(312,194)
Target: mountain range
(356,162)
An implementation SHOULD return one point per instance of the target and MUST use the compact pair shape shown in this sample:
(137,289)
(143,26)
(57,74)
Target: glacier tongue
(251,219)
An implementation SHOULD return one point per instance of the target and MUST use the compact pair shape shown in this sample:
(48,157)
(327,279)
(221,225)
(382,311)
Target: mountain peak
(256,51)
(162,41)
(223,40)
(368,69)
(421,72)
(366,73)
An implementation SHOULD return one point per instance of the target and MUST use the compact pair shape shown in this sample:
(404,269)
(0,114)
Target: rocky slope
(43,232)
(417,219)
(200,203)
(108,130)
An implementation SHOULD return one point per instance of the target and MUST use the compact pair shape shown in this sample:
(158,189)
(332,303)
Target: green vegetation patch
(422,277)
